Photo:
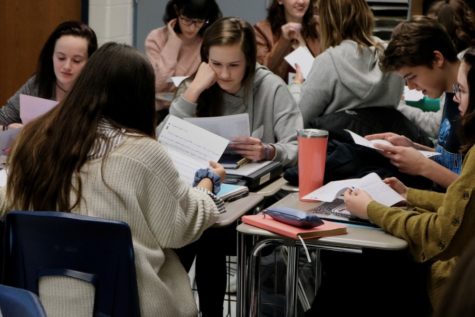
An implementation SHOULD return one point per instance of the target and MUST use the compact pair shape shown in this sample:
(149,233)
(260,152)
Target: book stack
(266,222)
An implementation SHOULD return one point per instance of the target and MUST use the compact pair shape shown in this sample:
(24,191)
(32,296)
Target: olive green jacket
(436,226)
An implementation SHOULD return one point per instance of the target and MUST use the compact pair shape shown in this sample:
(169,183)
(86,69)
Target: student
(228,82)
(346,75)
(457,299)
(96,154)
(61,59)
(436,226)
(422,53)
(174,49)
(458,20)
(289,24)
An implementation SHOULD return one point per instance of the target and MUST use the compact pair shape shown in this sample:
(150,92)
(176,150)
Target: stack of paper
(266,222)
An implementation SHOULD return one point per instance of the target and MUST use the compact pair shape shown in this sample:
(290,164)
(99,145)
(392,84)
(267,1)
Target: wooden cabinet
(24,27)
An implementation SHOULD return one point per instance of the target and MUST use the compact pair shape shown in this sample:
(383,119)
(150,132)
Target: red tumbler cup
(312,157)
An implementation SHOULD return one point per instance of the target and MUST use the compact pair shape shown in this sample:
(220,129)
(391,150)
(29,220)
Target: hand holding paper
(303,58)
(384,144)
(371,183)
(190,147)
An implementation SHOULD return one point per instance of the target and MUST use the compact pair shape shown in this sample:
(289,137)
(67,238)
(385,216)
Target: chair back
(17,302)
(94,250)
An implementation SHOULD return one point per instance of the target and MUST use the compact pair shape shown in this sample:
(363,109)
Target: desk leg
(292,276)
(242,264)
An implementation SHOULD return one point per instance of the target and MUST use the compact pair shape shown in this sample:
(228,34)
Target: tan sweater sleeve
(270,53)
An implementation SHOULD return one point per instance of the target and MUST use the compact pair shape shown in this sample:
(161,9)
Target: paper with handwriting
(190,147)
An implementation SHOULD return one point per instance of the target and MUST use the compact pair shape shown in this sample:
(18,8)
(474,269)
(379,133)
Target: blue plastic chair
(16,302)
(97,251)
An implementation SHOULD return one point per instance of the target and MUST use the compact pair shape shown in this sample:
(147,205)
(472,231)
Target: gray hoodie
(347,77)
(273,114)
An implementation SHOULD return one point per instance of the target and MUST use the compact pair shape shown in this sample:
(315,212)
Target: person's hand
(298,79)
(218,169)
(251,148)
(15,126)
(407,159)
(171,27)
(205,77)
(291,31)
(393,138)
(397,185)
(357,201)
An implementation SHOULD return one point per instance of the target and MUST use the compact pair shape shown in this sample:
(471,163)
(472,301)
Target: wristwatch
(208,173)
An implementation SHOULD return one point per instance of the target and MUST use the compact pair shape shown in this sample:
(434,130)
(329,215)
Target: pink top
(171,56)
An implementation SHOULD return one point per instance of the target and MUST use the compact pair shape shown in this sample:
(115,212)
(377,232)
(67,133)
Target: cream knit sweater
(138,184)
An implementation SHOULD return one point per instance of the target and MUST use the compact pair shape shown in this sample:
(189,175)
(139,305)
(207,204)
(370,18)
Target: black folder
(257,179)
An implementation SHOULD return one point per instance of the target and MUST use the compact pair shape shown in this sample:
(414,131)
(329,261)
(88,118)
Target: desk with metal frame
(252,240)
(237,208)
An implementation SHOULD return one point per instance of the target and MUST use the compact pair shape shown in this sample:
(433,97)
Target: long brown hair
(227,31)
(117,84)
(45,77)
(276,18)
(468,119)
(458,19)
(345,20)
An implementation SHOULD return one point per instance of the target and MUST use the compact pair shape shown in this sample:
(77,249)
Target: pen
(242,161)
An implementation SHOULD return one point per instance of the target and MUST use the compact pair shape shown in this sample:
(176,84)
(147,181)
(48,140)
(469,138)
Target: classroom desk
(272,188)
(252,240)
(237,208)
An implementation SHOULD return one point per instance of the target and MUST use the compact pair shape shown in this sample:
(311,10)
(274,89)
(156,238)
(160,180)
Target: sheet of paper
(371,183)
(32,107)
(412,94)
(364,142)
(3,177)
(176,80)
(190,147)
(227,127)
(6,140)
(303,57)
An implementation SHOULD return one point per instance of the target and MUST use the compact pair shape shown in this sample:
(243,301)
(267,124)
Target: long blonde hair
(345,20)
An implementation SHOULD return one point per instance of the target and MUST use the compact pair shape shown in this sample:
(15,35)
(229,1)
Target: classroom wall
(112,20)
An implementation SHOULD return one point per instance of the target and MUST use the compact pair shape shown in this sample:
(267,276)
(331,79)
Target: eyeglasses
(188,22)
(457,90)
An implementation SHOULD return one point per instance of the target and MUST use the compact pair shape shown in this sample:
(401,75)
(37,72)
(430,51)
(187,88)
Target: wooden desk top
(237,208)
